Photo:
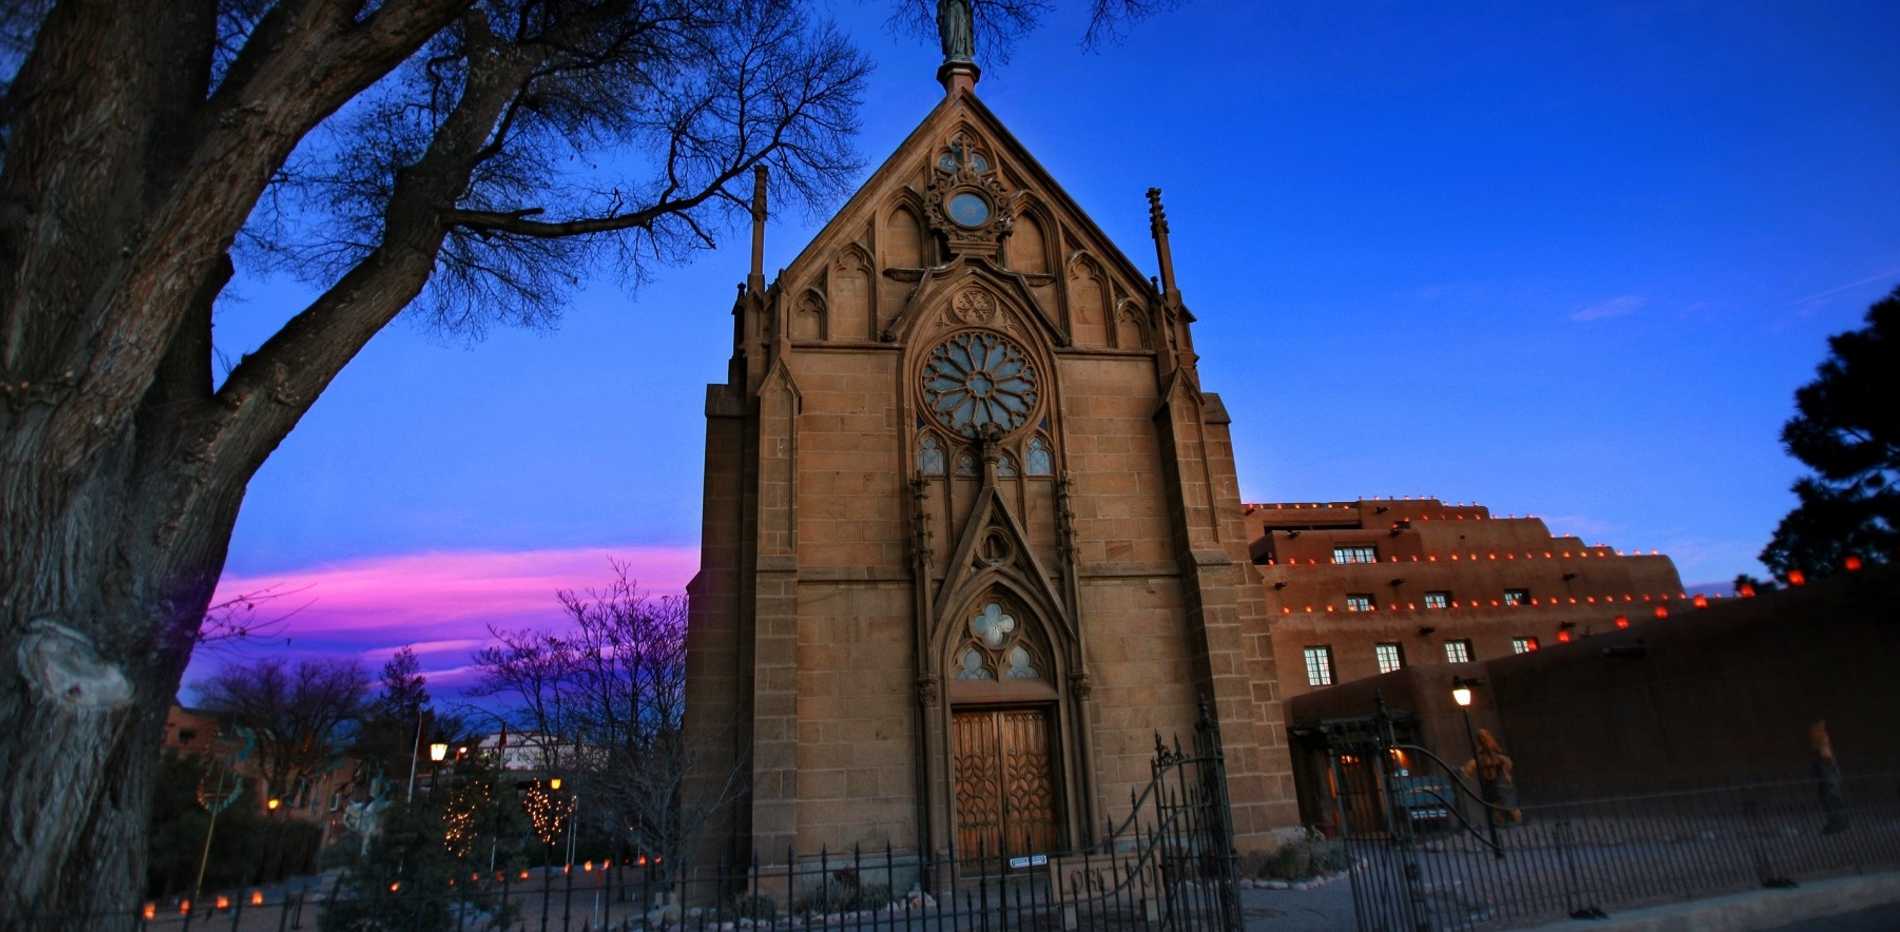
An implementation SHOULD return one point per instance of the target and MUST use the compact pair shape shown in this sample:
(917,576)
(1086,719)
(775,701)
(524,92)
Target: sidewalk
(1324,908)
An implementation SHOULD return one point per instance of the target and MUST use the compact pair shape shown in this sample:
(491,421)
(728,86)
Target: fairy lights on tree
(547,812)
(461,814)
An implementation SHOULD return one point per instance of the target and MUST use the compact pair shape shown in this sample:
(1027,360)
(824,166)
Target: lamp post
(437,752)
(1461,694)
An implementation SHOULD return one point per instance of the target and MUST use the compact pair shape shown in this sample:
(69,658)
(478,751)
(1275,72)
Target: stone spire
(756,279)
(956,32)
(1158,226)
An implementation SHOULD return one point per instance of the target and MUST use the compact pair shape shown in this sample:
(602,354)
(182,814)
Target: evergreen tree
(1848,431)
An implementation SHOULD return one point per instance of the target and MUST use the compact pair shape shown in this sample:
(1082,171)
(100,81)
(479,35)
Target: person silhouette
(1827,778)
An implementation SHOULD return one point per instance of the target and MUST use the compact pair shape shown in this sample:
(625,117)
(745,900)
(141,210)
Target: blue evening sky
(1569,260)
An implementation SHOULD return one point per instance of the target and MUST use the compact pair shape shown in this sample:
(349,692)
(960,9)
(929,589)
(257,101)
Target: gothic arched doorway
(1005,724)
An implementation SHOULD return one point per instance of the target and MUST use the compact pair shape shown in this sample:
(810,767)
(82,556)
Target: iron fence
(1169,864)
(1428,853)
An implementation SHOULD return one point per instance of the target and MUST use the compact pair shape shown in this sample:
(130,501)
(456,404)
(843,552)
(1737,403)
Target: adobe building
(1364,588)
(1717,692)
(972,535)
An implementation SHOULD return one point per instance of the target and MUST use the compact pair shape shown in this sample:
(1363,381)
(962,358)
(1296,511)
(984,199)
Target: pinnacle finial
(1158,226)
(757,277)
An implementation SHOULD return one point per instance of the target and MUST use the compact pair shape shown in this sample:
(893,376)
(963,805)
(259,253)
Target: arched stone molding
(993,561)
(810,317)
(1131,326)
(850,295)
(1090,300)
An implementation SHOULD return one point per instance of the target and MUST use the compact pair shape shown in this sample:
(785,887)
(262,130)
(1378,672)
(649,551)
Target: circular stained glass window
(968,210)
(979,381)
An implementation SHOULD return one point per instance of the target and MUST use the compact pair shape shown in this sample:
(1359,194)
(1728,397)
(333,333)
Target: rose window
(979,382)
(995,649)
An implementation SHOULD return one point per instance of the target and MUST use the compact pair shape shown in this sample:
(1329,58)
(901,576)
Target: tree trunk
(103,586)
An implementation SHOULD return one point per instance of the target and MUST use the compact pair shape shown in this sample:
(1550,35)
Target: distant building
(1362,588)
(196,733)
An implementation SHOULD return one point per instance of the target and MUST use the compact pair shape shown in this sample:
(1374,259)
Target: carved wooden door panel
(1005,783)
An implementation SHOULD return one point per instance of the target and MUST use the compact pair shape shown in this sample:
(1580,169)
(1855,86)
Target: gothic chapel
(972,535)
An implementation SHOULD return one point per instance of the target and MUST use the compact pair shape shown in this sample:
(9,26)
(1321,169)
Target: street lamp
(1461,694)
(438,751)
(554,784)
(273,804)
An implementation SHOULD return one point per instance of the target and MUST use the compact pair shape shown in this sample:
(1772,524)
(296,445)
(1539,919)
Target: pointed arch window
(1006,467)
(930,455)
(1040,460)
(995,648)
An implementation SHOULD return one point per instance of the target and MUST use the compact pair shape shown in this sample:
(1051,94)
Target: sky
(1565,260)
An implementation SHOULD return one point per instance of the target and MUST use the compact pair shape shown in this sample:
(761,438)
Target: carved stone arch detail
(850,294)
(811,318)
(1090,291)
(1131,325)
(902,237)
(1034,221)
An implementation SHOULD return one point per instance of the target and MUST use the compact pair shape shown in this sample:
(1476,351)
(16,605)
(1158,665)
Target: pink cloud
(442,603)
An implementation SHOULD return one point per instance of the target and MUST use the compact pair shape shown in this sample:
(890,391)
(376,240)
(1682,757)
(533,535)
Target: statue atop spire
(956,31)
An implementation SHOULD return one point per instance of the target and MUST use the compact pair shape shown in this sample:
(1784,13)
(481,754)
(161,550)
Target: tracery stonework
(975,306)
(968,535)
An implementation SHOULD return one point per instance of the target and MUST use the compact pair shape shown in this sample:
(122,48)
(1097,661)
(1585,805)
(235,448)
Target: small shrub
(1301,859)
(755,906)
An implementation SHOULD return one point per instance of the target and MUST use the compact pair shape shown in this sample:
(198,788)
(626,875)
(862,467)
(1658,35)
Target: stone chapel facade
(972,535)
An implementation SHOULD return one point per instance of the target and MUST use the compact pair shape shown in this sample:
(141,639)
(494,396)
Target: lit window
(1437,600)
(1517,596)
(1390,656)
(1458,651)
(1319,666)
(1523,645)
(1365,553)
(1359,602)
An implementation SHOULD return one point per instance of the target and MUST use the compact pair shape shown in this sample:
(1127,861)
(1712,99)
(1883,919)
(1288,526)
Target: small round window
(968,210)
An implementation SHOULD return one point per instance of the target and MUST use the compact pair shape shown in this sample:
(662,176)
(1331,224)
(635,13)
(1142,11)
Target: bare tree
(609,689)
(296,715)
(474,154)
(999,23)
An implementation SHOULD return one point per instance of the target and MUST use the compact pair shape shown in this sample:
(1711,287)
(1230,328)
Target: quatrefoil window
(995,649)
(979,382)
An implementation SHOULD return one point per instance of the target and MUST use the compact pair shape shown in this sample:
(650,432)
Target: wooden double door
(1005,781)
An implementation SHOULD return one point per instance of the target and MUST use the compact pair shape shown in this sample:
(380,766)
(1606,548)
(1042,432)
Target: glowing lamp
(1747,591)
(567,868)
(438,751)
(222,903)
(607,864)
(588,867)
(395,885)
(273,804)
(1701,601)
(554,784)
(1851,564)
(149,912)
(184,907)
(1622,621)
(643,860)
(1461,695)
(1662,611)
(1563,637)
(524,875)
(1797,578)
(257,897)
(1530,647)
